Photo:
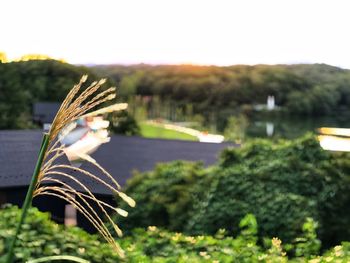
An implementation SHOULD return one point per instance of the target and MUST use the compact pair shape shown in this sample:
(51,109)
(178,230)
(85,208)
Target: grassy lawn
(152,131)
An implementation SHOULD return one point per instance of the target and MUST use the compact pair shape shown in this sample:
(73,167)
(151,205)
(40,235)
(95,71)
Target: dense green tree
(282,185)
(235,128)
(123,123)
(164,197)
(24,83)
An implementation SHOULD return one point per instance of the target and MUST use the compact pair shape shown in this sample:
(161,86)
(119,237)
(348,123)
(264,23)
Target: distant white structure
(271,102)
(269,128)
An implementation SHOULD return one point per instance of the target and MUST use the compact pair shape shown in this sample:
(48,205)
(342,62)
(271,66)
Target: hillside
(302,89)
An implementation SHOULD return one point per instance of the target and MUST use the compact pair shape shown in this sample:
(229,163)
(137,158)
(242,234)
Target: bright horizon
(179,32)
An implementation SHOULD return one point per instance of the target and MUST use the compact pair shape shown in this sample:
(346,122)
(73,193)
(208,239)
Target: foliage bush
(282,184)
(41,237)
(164,197)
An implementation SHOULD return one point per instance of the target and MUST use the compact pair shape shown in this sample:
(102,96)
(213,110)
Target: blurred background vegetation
(226,100)
(291,189)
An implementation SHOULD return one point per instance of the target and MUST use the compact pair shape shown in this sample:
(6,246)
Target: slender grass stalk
(52,258)
(28,200)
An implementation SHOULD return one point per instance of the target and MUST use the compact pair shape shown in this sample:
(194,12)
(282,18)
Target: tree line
(302,89)
(298,89)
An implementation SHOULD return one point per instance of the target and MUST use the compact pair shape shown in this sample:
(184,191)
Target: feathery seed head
(75,105)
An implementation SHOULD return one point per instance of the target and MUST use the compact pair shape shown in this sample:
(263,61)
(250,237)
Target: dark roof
(19,152)
(122,155)
(18,155)
(44,112)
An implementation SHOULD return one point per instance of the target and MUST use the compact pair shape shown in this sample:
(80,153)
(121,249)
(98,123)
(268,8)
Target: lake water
(293,127)
(268,124)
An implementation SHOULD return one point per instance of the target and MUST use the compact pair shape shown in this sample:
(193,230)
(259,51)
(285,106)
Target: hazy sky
(175,31)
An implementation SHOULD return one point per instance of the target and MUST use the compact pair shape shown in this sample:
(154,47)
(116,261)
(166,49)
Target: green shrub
(158,245)
(41,237)
(340,253)
(163,246)
(308,245)
(164,197)
(282,184)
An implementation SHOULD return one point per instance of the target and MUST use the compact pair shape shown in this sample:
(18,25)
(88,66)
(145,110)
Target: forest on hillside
(301,89)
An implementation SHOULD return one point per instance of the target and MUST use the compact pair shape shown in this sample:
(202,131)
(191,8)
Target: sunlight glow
(220,32)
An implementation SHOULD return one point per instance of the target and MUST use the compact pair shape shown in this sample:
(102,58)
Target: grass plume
(48,170)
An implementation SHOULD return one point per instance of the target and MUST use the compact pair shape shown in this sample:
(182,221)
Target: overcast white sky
(179,31)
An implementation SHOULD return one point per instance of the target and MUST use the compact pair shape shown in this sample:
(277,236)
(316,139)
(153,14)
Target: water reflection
(237,123)
(269,129)
(292,127)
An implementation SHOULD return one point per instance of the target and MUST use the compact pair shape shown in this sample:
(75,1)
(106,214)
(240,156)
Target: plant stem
(52,258)
(28,200)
